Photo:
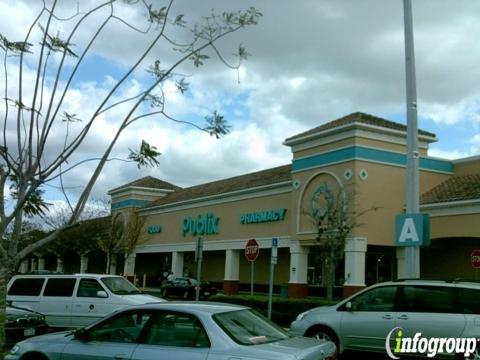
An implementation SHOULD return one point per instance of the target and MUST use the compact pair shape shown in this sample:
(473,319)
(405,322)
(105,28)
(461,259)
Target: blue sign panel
(412,230)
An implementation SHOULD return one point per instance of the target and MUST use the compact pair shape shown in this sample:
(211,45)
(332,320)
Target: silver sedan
(175,331)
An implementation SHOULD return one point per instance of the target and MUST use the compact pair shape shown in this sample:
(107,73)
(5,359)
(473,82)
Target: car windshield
(120,286)
(247,327)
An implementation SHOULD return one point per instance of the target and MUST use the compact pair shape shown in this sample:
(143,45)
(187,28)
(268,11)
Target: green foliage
(66,117)
(217,125)
(284,311)
(146,156)
(56,44)
(16,47)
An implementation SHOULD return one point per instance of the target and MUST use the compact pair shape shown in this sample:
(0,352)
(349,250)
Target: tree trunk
(3,304)
(107,270)
(330,275)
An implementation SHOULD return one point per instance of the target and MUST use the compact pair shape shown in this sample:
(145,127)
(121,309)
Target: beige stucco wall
(360,141)
(470,167)
(385,188)
(229,223)
(455,226)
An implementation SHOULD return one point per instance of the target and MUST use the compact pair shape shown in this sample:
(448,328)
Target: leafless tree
(334,223)
(38,107)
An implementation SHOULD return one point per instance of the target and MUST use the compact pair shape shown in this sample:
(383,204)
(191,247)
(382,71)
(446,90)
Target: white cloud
(312,61)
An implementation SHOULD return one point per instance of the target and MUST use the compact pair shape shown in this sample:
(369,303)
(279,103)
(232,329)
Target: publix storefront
(359,151)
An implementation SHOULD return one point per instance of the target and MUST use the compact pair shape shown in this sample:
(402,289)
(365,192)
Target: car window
(59,287)
(89,288)
(433,299)
(176,329)
(247,327)
(26,287)
(120,286)
(124,328)
(468,301)
(377,299)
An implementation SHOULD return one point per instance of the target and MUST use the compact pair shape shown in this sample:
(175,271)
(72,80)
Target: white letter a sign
(409,232)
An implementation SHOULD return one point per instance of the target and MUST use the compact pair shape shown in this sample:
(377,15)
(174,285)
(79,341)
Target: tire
(33,356)
(323,333)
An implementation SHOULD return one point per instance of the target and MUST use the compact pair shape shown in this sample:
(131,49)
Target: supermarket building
(358,151)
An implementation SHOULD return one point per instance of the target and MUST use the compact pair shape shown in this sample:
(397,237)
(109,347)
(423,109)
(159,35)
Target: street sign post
(251,254)
(273,262)
(198,259)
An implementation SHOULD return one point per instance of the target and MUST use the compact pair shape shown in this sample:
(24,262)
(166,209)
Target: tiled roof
(259,178)
(457,188)
(361,118)
(150,182)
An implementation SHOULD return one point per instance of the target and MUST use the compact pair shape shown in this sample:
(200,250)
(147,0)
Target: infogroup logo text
(430,346)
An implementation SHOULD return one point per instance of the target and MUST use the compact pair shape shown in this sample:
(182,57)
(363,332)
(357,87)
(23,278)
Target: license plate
(207,293)
(29,332)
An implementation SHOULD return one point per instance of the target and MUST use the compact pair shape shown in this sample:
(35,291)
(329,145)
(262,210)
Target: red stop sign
(251,250)
(475,258)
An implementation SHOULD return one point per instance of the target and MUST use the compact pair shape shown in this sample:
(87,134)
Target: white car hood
(139,299)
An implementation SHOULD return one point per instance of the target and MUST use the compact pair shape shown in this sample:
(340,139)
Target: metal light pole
(412,253)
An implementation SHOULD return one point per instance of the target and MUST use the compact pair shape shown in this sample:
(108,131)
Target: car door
(56,301)
(114,338)
(431,310)
(172,335)
(371,317)
(90,303)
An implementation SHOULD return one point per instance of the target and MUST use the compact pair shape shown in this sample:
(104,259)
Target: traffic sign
(475,259)
(251,250)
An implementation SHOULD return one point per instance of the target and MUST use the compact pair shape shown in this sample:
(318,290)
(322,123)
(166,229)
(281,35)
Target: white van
(74,300)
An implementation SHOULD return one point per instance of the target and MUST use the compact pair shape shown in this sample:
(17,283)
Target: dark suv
(22,323)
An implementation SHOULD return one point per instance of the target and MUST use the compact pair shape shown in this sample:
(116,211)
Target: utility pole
(412,253)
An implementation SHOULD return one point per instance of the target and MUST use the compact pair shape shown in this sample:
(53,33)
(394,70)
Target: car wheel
(323,333)
(34,356)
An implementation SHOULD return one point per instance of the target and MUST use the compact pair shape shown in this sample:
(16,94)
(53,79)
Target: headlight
(14,349)
(302,315)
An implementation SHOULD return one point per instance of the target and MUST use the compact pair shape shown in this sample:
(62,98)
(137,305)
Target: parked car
(172,331)
(362,321)
(185,288)
(74,300)
(21,324)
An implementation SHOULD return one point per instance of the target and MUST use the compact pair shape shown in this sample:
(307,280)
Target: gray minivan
(74,300)
(437,309)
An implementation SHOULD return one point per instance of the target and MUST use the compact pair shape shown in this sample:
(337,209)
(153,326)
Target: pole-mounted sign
(251,254)
(412,230)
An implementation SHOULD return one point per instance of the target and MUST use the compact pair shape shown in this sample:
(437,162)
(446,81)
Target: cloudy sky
(312,61)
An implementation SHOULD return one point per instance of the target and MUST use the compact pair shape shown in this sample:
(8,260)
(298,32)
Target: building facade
(358,152)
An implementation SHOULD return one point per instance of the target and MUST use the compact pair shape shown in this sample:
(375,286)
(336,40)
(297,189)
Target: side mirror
(80,334)
(102,294)
(9,302)
(349,306)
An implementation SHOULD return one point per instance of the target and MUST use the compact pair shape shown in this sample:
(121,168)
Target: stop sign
(251,250)
(475,258)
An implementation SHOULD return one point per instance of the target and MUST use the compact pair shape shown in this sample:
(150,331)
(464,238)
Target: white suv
(74,300)
(363,321)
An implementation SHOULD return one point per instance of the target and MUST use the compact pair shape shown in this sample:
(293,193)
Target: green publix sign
(263,216)
(203,225)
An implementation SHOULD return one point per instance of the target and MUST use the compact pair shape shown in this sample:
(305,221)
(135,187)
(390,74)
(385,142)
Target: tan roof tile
(259,178)
(457,188)
(362,118)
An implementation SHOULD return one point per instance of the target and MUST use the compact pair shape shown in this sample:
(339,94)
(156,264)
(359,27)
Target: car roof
(192,307)
(98,276)
(446,282)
